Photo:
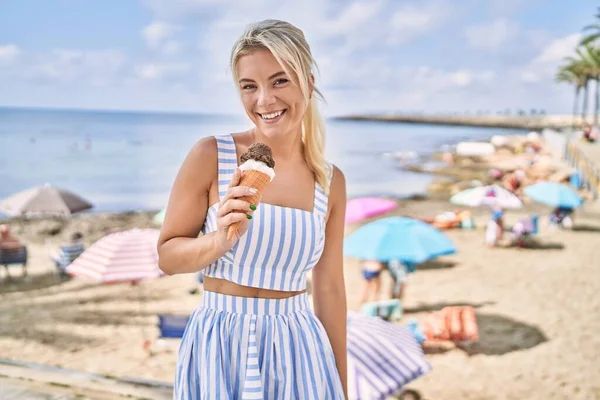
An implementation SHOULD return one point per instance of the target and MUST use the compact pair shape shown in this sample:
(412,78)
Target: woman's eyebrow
(275,75)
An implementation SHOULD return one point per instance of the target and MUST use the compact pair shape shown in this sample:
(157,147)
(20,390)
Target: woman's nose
(266,97)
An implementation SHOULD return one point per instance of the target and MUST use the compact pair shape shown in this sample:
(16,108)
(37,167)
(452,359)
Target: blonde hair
(290,48)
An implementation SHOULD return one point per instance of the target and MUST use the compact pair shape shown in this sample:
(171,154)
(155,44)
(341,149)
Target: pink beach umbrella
(365,207)
(118,257)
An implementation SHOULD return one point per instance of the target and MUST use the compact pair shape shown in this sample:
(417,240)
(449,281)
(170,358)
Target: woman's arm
(329,291)
(180,249)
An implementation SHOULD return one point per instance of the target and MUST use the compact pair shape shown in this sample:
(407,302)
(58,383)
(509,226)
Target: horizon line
(128,111)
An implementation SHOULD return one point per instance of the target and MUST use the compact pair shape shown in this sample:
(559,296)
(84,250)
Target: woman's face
(271,100)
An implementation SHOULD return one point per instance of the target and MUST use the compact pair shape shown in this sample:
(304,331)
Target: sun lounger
(172,326)
(14,256)
(386,309)
(68,254)
(524,230)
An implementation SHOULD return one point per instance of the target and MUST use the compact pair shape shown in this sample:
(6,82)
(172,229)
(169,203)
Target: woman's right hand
(233,209)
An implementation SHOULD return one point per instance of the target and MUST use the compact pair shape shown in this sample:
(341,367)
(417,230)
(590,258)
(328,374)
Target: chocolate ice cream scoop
(259,152)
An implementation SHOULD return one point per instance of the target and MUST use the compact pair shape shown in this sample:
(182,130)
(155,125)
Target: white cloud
(544,64)
(9,53)
(433,80)
(491,36)
(190,10)
(412,20)
(155,71)
(172,47)
(351,18)
(157,33)
(98,68)
(559,49)
(506,7)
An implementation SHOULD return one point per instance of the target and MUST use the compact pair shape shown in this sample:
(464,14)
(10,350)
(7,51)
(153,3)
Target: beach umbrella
(45,199)
(554,194)
(397,238)
(364,207)
(382,357)
(492,196)
(159,217)
(128,256)
(123,256)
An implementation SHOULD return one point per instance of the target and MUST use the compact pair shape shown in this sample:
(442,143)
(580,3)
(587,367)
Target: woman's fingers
(232,218)
(238,191)
(235,179)
(233,205)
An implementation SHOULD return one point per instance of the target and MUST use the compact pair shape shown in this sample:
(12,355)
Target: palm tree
(595,31)
(573,73)
(591,61)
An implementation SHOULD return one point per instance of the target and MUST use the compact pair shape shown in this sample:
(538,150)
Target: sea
(127,161)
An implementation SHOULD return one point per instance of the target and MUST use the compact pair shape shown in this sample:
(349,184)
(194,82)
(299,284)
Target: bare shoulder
(205,150)
(203,156)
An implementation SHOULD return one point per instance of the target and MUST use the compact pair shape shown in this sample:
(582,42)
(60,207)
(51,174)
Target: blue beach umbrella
(554,194)
(398,238)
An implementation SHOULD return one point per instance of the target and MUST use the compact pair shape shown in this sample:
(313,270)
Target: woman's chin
(274,130)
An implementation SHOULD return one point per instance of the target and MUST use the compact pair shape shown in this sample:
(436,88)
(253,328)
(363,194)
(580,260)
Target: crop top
(281,245)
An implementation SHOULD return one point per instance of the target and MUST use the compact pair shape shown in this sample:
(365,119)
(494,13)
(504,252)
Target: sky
(373,56)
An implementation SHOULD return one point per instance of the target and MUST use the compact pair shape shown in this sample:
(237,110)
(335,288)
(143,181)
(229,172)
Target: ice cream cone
(254,179)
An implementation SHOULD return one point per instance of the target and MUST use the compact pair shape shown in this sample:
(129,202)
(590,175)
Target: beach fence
(587,165)
(556,141)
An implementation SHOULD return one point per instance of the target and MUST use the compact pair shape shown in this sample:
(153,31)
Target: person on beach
(589,134)
(371,289)
(255,335)
(68,253)
(7,240)
(495,228)
(399,271)
(561,217)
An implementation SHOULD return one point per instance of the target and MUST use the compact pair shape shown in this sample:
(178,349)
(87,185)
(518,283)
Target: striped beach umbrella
(382,358)
(123,256)
(491,196)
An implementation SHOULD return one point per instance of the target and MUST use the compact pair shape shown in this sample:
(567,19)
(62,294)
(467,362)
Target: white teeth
(272,115)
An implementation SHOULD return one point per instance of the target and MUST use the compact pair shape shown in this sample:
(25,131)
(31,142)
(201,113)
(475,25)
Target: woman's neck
(286,148)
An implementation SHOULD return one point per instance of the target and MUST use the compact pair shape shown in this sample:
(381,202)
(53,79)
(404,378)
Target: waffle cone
(254,179)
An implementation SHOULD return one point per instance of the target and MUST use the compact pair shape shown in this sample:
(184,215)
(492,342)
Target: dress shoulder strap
(227,161)
(321,199)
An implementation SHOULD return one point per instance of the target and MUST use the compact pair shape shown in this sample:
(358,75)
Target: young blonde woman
(255,336)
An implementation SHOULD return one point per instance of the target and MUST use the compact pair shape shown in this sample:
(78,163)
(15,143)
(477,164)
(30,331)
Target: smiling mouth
(272,116)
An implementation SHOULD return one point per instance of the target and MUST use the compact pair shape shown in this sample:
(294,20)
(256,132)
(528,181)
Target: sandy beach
(537,310)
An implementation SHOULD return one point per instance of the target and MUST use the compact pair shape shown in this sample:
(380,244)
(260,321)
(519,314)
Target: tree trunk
(584,107)
(575,104)
(597,102)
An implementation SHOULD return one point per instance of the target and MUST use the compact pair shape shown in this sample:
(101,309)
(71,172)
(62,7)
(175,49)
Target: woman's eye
(248,87)
(281,81)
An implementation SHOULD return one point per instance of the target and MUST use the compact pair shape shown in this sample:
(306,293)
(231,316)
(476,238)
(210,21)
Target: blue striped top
(281,245)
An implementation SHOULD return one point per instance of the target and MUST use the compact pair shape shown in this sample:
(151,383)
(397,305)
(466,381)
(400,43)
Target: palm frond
(589,39)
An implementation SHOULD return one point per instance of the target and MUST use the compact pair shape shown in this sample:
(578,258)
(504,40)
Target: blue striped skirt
(251,348)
